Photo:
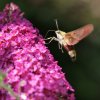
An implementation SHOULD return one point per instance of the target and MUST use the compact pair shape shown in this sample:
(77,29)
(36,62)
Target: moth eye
(58,32)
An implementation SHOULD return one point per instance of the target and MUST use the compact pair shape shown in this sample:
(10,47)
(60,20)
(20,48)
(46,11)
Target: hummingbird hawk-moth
(69,39)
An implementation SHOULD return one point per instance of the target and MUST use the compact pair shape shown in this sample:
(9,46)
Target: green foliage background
(84,74)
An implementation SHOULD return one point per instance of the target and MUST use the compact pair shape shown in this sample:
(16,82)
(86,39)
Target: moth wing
(75,36)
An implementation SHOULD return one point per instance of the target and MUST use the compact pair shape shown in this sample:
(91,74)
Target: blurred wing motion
(75,36)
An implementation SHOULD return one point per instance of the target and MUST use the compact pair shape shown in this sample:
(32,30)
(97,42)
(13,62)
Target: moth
(69,39)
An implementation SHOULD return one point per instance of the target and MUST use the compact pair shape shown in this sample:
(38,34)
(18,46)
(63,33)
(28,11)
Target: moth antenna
(57,24)
(48,32)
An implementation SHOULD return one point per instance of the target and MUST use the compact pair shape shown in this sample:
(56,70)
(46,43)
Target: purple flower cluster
(31,70)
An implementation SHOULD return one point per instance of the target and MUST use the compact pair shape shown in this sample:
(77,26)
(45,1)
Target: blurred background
(84,73)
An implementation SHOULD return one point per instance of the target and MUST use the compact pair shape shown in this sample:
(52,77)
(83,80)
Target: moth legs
(51,39)
(60,47)
(56,39)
